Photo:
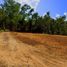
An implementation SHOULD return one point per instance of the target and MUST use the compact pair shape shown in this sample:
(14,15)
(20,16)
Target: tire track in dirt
(50,62)
(9,52)
(17,53)
(4,41)
(26,51)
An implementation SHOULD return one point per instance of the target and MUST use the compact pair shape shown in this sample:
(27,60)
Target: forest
(23,18)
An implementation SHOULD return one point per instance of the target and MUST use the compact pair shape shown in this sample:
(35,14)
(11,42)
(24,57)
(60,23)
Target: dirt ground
(32,50)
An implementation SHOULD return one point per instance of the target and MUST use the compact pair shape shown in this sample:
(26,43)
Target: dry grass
(32,50)
(3,64)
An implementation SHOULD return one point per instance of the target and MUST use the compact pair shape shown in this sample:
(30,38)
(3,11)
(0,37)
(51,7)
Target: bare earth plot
(32,50)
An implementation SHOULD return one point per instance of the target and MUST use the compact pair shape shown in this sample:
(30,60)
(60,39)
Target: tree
(46,23)
(60,25)
(2,18)
(26,12)
(15,17)
(11,9)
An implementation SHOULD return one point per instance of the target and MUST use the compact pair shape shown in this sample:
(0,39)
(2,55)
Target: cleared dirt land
(32,50)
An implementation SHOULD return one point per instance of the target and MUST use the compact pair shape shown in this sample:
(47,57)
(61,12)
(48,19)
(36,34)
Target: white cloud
(57,15)
(44,14)
(32,3)
(65,13)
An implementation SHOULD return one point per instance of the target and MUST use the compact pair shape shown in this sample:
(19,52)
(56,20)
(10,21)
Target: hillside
(32,50)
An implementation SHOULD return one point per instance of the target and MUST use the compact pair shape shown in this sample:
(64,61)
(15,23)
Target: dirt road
(32,50)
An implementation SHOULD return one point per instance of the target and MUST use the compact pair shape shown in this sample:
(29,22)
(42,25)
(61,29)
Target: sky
(55,7)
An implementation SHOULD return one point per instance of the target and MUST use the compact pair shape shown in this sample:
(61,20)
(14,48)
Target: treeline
(14,17)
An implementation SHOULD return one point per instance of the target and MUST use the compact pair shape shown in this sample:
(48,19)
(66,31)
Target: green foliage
(14,17)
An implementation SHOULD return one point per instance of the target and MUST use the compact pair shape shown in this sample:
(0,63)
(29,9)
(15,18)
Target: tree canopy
(14,17)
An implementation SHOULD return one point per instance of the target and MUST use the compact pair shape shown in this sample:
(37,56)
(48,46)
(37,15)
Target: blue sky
(1,1)
(55,7)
